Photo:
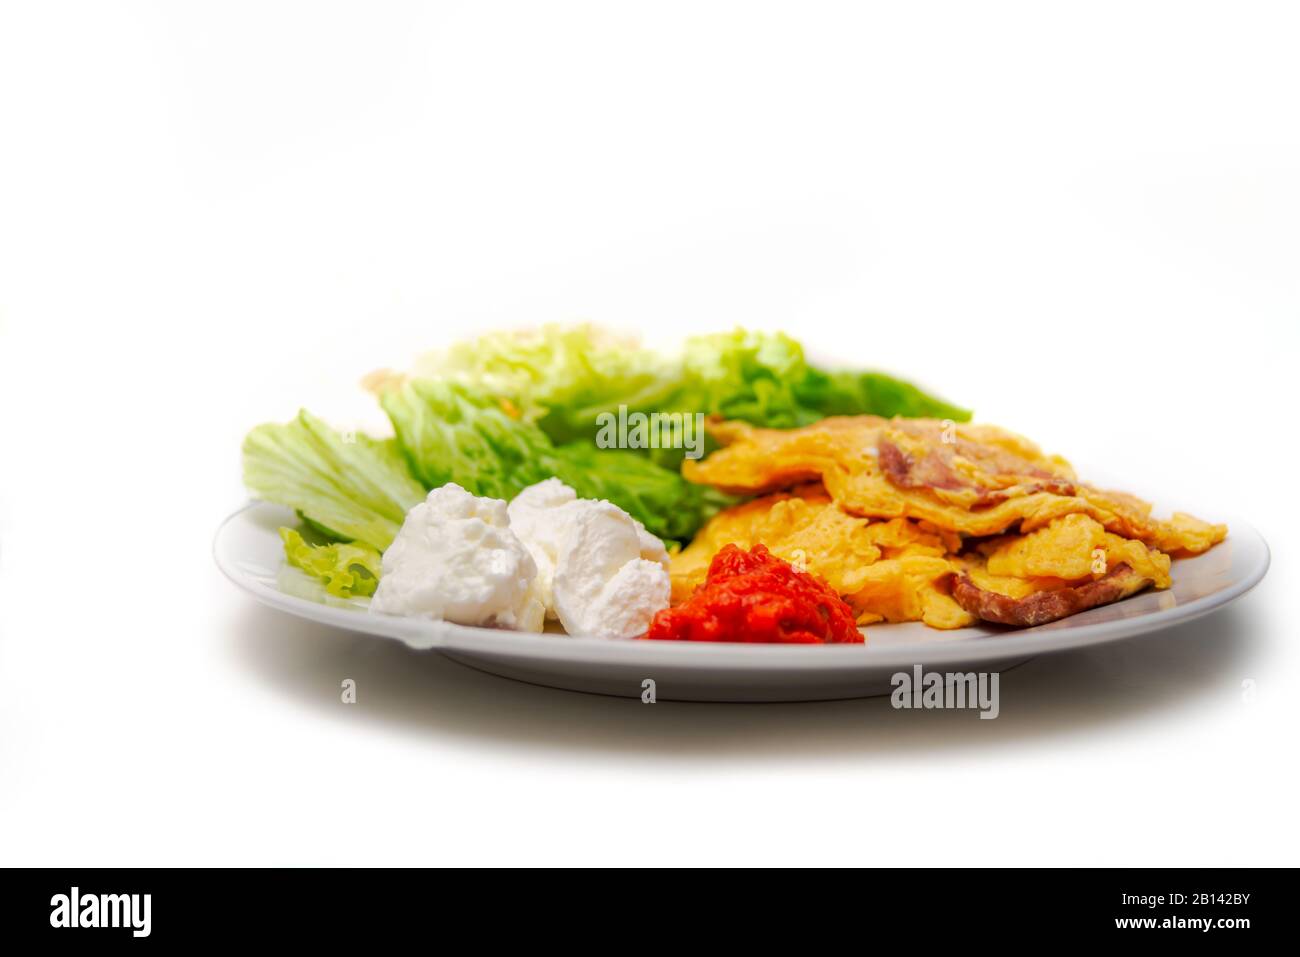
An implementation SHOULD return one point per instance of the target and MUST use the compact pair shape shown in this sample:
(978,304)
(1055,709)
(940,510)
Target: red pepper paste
(756,597)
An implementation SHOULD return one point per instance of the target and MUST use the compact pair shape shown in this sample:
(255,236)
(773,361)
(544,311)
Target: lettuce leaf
(350,487)
(664,502)
(571,371)
(450,433)
(562,379)
(346,569)
(752,376)
(856,393)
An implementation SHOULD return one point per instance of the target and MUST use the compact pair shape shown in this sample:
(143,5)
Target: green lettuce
(349,487)
(563,378)
(346,569)
(751,376)
(664,502)
(451,433)
(573,372)
(874,393)
(507,410)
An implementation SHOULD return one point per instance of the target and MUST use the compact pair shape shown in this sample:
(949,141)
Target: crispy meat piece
(934,469)
(1041,607)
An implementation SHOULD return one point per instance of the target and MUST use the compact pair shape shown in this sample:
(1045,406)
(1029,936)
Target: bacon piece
(933,470)
(1044,606)
(997,496)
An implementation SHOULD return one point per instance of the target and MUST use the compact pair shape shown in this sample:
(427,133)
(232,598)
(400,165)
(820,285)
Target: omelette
(923,520)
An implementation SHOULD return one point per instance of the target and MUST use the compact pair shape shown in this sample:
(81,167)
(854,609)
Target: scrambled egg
(885,570)
(974,480)
(920,520)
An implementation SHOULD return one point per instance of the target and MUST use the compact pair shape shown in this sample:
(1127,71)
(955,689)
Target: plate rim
(423,634)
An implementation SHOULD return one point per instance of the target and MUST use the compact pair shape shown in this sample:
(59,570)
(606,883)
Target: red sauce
(756,597)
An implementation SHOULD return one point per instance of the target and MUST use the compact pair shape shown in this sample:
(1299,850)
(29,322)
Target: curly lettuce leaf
(347,570)
(764,379)
(563,379)
(561,376)
(745,375)
(351,487)
(450,433)
(874,393)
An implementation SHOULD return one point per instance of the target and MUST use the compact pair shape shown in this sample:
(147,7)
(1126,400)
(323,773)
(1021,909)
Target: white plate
(248,550)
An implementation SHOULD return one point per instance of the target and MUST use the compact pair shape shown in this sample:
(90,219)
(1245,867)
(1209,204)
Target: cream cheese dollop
(456,559)
(598,570)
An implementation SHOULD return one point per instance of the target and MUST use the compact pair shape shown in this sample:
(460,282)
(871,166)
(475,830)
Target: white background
(1082,219)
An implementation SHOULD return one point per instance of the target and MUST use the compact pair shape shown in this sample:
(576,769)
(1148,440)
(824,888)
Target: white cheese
(455,558)
(598,570)
(536,517)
